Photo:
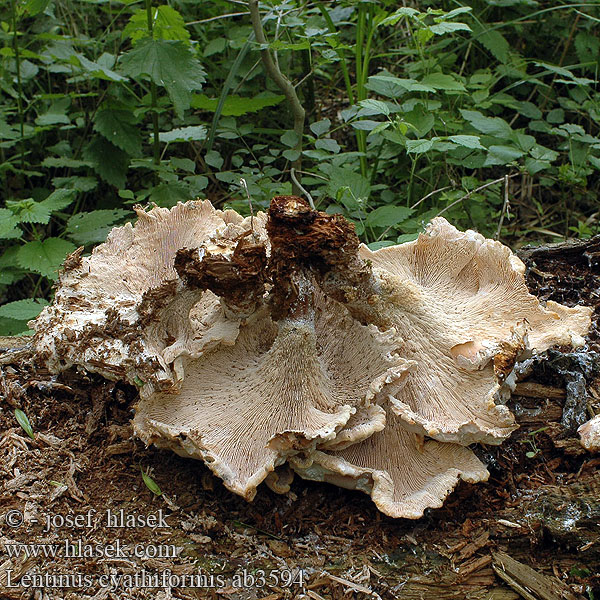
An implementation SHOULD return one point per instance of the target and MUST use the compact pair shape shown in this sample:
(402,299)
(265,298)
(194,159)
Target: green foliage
(411,112)
(23,421)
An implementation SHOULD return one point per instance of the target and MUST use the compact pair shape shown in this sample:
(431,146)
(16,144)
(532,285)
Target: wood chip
(527,582)
(532,389)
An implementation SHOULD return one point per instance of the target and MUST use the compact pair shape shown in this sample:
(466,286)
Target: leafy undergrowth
(487,113)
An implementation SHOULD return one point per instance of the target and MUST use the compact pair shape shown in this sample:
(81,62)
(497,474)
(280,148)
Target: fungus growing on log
(281,340)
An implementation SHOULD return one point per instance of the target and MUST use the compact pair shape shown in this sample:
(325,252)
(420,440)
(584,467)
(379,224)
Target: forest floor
(540,507)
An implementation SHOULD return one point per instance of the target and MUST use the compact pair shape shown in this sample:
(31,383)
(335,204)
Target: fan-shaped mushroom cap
(402,476)
(284,386)
(117,311)
(461,304)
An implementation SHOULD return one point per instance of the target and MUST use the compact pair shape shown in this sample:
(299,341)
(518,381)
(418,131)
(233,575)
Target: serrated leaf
(150,483)
(236,105)
(44,257)
(167,24)
(117,127)
(443,81)
(492,40)
(58,200)
(107,160)
(418,146)
(8,225)
(93,227)
(64,161)
(75,182)
(388,216)
(29,211)
(468,141)
(170,65)
(23,310)
(23,421)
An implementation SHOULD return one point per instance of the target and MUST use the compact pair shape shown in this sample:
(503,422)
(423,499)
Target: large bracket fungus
(281,339)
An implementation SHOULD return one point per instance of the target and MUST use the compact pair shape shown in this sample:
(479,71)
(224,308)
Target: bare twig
(284,84)
(297,183)
(504,208)
(469,194)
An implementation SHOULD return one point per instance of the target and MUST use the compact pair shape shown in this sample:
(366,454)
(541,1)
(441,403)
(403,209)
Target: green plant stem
(284,84)
(15,44)
(153,98)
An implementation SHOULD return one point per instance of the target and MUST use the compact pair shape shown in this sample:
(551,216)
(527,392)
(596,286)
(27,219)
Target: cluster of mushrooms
(278,343)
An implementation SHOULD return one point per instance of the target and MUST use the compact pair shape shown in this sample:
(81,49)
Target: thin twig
(415,206)
(429,196)
(245,186)
(298,184)
(504,208)
(469,194)
(284,84)
(237,14)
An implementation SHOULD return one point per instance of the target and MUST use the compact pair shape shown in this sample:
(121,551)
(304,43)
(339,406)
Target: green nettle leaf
(59,199)
(93,227)
(320,127)
(8,225)
(442,81)
(64,161)
(23,310)
(170,65)
(388,216)
(502,155)
(75,182)
(468,141)
(194,133)
(108,161)
(119,128)
(236,105)
(418,146)
(29,211)
(167,24)
(44,257)
(493,41)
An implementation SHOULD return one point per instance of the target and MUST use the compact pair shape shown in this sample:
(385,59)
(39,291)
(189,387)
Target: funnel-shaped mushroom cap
(403,476)
(281,388)
(116,311)
(459,301)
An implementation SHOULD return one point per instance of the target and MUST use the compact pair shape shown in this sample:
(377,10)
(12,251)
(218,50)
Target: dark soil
(541,505)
